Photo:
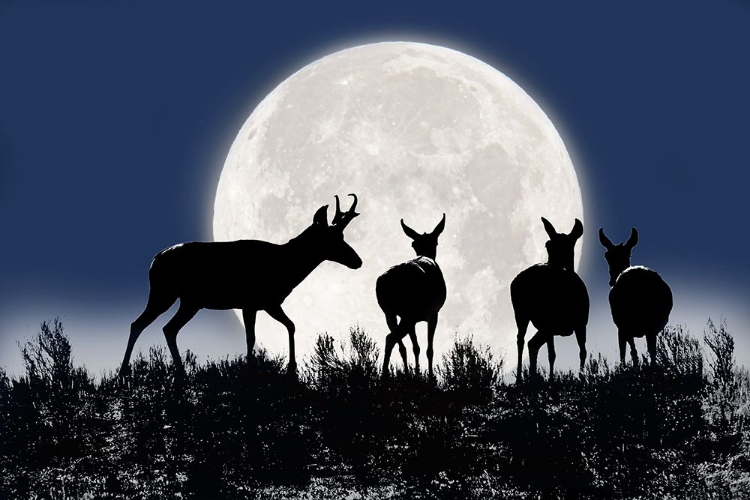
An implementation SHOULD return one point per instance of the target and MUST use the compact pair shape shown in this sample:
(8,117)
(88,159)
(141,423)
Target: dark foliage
(470,373)
(232,430)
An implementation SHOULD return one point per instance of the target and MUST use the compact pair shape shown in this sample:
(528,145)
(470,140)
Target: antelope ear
(577,230)
(606,242)
(633,240)
(321,216)
(409,231)
(549,228)
(439,228)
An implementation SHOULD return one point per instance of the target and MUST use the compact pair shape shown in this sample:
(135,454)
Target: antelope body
(640,300)
(553,298)
(250,275)
(413,291)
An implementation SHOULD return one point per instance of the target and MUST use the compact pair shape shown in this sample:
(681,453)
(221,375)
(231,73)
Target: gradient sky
(115,118)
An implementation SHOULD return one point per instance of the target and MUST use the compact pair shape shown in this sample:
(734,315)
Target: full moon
(415,130)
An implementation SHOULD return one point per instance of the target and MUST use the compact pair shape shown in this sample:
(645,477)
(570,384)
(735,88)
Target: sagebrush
(229,430)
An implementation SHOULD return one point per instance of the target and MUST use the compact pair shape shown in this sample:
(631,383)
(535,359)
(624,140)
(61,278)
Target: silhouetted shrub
(727,401)
(47,359)
(344,367)
(6,439)
(364,354)
(326,368)
(49,413)
(233,429)
(679,354)
(470,372)
(596,369)
(723,374)
(345,376)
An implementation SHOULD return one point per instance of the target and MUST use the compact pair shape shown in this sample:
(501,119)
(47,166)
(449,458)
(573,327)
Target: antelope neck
(300,259)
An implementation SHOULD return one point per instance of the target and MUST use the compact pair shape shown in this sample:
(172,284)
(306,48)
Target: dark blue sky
(115,118)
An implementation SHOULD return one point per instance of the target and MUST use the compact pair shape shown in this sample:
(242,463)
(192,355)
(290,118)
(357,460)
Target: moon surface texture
(415,130)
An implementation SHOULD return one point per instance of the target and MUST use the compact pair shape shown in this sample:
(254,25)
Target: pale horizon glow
(99,342)
(98,335)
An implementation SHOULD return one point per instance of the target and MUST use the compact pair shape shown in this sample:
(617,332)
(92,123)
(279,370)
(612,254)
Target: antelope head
(330,238)
(425,244)
(561,246)
(618,256)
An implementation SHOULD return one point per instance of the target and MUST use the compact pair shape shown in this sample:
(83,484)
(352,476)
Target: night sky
(116,117)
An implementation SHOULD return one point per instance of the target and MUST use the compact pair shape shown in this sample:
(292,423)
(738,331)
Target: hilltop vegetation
(678,430)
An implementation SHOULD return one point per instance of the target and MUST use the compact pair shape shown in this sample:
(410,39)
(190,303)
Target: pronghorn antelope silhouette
(640,300)
(413,291)
(553,298)
(250,275)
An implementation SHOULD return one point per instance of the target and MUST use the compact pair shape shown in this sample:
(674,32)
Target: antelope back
(412,290)
(551,297)
(641,300)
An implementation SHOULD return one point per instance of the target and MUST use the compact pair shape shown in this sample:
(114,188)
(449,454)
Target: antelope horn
(342,219)
(338,208)
(354,203)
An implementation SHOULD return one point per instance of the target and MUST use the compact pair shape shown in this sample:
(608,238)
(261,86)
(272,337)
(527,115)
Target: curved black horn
(338,206)
(341,219)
